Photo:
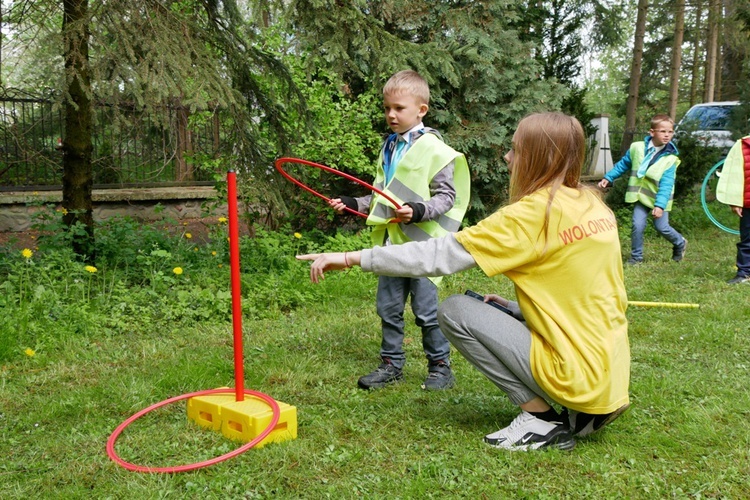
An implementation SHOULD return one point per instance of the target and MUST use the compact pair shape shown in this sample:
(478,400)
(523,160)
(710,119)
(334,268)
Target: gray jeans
(391,301)
(640,218)
(497,344)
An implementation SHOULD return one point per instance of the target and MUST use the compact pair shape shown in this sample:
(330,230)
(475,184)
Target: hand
(323,262)
(737,210)
(603,183)
(337,205)
(657,212)
(404,214)
(491,297)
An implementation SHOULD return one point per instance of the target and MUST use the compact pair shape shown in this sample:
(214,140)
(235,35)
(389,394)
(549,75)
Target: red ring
(187,467)
(281,161)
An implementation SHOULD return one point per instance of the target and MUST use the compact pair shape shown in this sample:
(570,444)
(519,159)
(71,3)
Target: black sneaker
(634,262)
(528,432)
(678,251)
(739,279)
(439,377)
(385,374)
(585,424)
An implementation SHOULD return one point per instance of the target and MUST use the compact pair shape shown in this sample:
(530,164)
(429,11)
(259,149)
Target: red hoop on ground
(187,467)
(281,161)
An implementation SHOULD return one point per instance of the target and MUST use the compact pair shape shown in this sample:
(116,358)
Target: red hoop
(188,467)
(281,161)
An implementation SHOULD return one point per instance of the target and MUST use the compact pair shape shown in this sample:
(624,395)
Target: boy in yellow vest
(652,164)
(430,181)
(733,189)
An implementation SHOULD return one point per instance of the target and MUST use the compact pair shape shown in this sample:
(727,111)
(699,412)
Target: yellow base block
(242,420)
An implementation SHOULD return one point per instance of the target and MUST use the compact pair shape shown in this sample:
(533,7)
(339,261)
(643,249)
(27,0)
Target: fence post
(601,159)
(183,169)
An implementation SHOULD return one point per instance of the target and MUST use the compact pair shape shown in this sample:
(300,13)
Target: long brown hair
(548,152)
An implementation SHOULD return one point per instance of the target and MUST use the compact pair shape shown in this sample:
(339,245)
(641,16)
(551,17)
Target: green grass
(686,435)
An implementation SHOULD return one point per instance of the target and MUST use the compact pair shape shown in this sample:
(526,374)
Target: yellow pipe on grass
(663,304)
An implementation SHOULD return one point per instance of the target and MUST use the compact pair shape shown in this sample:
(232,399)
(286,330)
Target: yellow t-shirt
(572,293)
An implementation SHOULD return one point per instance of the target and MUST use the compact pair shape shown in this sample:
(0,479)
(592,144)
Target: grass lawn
(685,436)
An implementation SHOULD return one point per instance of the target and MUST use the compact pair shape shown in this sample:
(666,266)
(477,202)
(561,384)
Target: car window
(709,117)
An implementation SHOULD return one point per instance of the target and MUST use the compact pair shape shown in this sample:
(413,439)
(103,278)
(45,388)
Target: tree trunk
(718,96)
(635,77)
(77,147)
(674,71)
(712,44)
(695,77)
(732,55)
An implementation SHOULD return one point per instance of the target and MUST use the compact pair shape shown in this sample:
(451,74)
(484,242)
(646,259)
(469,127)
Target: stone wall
(18,209)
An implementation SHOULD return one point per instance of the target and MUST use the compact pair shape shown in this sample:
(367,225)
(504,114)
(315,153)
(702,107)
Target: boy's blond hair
(408,81)
(657,119)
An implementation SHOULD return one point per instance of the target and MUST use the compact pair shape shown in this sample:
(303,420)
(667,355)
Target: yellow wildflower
(297,235)
(222,220)
(177,271)
(29,352)
(64,211)
(90,269)
(188,235)
(195,249)
(213,253)
(27,253)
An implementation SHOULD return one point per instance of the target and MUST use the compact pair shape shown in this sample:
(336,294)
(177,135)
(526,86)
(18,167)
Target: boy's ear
(423,109)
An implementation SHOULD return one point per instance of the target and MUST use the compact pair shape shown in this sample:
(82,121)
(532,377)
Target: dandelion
(222,220)
(188,235)
(297,235)
(195,249)
(213,253)
(64,211)
(177,271)
(220,265)
(90,269)
(27,253)
(29,352)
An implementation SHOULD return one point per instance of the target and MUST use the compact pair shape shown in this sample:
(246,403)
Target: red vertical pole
(234,265)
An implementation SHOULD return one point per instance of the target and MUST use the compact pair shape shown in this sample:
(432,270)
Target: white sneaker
(527,432)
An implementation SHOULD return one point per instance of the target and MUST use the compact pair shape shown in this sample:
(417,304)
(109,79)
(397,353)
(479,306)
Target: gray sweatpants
(497,344)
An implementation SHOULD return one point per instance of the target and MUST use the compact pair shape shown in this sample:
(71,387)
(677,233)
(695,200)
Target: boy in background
(430,181)
(652,164)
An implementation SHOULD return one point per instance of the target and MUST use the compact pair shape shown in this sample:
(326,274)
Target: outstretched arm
(434,257)
(324,262)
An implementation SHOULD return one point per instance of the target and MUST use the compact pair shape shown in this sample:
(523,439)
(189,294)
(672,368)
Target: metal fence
(130,147)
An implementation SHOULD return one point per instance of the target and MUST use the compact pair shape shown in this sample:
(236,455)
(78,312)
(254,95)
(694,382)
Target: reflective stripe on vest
(644,189)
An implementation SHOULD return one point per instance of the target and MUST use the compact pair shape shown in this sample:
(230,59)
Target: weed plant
(82,350)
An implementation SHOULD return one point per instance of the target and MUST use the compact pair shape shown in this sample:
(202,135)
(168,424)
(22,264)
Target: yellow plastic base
(242,420)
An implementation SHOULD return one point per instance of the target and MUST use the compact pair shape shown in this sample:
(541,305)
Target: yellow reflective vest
(733,187)
(644,189)
(411,183)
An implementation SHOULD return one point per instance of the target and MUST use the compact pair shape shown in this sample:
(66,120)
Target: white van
(710,123)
